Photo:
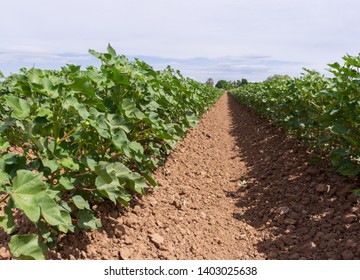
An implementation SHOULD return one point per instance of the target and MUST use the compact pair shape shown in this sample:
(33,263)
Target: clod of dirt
(4,254)
(353,198)
(347,255)
(349,218)
(156,239)
(322,188)
(283,210)
(290,221)
(119,231)
(312,170)
(128,240)
(309,246)
(137,210)
(125,253)
(202,215)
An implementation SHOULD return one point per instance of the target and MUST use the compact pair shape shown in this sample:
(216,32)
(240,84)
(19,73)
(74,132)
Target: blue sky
(222,39)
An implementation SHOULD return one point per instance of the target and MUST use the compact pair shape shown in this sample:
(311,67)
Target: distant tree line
(226,84)
(230,84)
(223,84)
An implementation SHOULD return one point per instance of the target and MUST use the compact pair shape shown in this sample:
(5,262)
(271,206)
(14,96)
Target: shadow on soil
(302,211)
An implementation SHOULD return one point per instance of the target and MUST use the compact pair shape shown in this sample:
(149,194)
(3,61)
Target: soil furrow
(235,188)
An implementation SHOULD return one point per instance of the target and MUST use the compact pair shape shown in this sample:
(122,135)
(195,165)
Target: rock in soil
(349,218)
(156,239)
(283,210)
(347,255)
(4,254)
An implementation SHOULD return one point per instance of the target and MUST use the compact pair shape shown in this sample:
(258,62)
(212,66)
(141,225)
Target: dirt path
(235,188)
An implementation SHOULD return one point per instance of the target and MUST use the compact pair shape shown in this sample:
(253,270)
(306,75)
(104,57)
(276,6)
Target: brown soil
(236,188)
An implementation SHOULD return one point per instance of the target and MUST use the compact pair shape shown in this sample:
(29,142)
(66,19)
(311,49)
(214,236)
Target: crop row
(71,138)
(324,112)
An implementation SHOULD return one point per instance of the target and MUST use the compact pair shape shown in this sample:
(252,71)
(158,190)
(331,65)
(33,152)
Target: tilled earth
(235,188)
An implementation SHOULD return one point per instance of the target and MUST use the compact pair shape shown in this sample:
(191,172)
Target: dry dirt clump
(235,188)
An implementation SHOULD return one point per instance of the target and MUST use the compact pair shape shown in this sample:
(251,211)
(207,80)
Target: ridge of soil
(235,188)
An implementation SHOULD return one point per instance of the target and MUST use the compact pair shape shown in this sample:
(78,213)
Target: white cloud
(312,32)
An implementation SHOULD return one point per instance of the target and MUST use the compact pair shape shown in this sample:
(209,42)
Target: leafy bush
(323,112)
(72,138)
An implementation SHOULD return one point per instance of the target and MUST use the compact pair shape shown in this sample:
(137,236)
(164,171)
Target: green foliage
(26,247)
(323,112)
(230,85)
(83,136)
(222,84)
(277,77)
(237,83)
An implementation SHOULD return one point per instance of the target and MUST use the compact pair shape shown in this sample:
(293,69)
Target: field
(87,173)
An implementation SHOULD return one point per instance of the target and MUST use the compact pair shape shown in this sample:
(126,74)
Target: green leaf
(139,115)
(5,125)
(80,202)
(45,232)
(124,198)
(20,107)
(52,193)
(357,192)
(339,129)
(105,173)
(49,237)
(25,190)
(119,139)
(80,108)
(192,119)
(81,84)
(128,105)
(121,171)
(111,50)
(66,183)
(110,191)
(89,163)
(35,76)
(7,221)
(4,144)
(116,122)
(349,169)
(51,164)
(137,183)
(44,112)
(108,184)
(49,88)
(4,178)
(151,180)
(67,226)
(10,158)
(314,160)
(96,54)
(87,220)
(26,247)
(136,147)
(50,210)
(100,128)
(334,111)
(119,78)
(70,164)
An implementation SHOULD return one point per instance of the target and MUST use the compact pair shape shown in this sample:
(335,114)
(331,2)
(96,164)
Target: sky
(219,39)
